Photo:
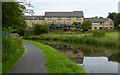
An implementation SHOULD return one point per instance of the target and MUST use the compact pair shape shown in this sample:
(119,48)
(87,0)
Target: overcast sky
(90,8)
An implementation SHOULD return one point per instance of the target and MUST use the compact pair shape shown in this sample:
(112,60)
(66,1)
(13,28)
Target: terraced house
(67,19)
(101,23)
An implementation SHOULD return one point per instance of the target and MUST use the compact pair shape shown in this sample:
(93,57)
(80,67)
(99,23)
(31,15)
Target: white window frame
(68,18)
(49,18)
(58,18)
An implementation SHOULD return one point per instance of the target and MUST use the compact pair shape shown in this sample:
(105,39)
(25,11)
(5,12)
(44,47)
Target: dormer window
(68,18)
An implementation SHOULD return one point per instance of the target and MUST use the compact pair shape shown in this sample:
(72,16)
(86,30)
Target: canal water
(92,59)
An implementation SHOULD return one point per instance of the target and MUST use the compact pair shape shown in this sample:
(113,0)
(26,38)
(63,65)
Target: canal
(92,59)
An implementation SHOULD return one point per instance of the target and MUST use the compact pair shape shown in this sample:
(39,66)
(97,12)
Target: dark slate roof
(34,17)
(96,20)
(64,14)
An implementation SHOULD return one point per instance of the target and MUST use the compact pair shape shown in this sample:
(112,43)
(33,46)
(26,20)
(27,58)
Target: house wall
(30,23)
(63,20)
(108,24)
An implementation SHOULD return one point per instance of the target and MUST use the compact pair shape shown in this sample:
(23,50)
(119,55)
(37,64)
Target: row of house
(67,18)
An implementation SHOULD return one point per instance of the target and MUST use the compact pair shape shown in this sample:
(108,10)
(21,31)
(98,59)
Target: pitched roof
(34,17)
(96,20)
(64,14)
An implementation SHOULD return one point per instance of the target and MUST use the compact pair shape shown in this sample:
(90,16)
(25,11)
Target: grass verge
(56,61)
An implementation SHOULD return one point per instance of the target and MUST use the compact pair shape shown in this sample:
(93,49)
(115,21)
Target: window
(68,18)
(49,22)
(33,23)
(95,23)
(33,18)
(110,27)
(37,18)
(100,23)
(59,18)
(107,23)
(95,28)
(58,23)
(49,18)
(68,23)
(100,28)
(78,18)
(111,23)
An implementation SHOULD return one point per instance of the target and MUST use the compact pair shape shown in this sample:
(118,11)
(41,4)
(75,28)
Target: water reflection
(99,65)
(94,60)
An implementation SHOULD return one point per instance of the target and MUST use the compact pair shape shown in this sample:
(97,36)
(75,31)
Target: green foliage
(74,29)
(60,63)
(10,45)
(76,23)
(53,27)
(111,15)
(86,25)
(86,38)
(21,31)
(13,16)
(12,50)
(29,31)
(99,33)
(40,29)
(117,19)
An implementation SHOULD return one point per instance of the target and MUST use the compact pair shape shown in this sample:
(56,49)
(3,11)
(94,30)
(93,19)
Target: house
(101,23)
(58,18)
(66,19)
(63,18)
(31,20)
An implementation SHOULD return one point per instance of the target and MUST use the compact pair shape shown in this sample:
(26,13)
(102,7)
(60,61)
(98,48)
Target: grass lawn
(56,61)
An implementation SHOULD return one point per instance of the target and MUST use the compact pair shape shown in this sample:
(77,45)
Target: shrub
(99,33)
(40,29)
(12,50)
(9,47)
(86,25)
(21,32)
(74,29)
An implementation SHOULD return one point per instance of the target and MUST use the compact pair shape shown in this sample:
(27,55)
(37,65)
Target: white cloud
(74,0)
(90,8)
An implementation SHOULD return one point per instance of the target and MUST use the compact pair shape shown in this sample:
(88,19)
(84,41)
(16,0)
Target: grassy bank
(57,62)
(12,51)
(110,40)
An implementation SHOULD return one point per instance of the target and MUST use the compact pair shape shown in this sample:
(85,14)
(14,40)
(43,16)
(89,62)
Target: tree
(111,15)
(96,17)
(117,19)
(40,29)
(13,16)
(86,25)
